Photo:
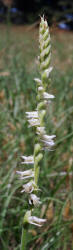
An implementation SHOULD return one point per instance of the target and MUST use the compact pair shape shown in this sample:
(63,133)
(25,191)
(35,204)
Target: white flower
(33,219)
(48,143)
(40,88)
(48,140)
(28,187)
(45,95)
(38,80)
(25,174)
(41,130)
(47,72)
(34,122)
(33,118)
(48,96)
(28,159)
(34,200)
(48,137)
(33,114)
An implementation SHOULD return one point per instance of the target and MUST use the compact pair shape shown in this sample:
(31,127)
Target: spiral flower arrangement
(37,119)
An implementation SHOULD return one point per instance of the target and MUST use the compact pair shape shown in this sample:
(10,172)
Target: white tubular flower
(41,130)
(25,174)
(33,114)
(48,140)
(48,143)
(28,159)
(33,219)
(36,221)
(48,96)
(40,88)
(45,95)
(38,80)
(49,137)
(34,200)
(28,187)
(34,122)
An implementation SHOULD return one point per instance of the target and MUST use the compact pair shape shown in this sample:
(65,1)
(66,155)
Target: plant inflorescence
(36,119)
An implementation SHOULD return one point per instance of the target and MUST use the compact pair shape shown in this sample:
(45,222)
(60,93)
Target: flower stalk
(23,239)
(37,119)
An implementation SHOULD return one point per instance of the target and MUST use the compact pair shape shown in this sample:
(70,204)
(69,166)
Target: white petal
(20,172)
(48,140)
(36,221)
(48,96)
(48,143)
(48,71)
(38,80)
(36,224)
(29,187)
(48,137)
(40,88)
(34,200)
(34,122)
(28,159)
(27,177)
(33,114)
(25,174)
(33,219)
(41,130)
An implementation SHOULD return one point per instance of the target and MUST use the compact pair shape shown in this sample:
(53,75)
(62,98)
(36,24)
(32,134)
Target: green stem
(23,239)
